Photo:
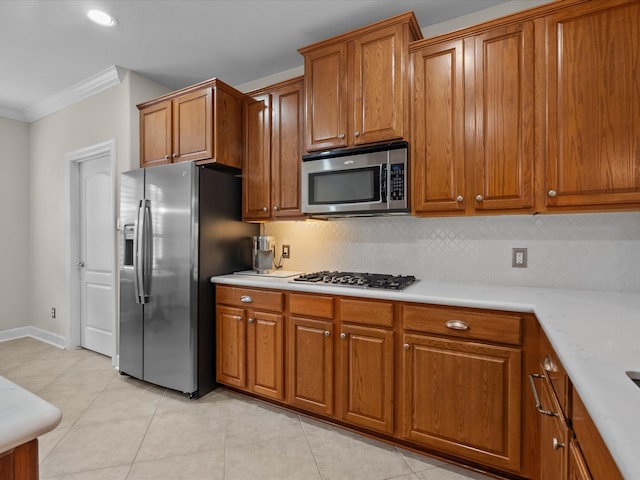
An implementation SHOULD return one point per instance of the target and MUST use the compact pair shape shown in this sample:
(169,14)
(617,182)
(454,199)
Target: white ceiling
(47,46)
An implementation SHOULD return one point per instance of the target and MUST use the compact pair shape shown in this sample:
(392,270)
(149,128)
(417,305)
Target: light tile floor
(118,428)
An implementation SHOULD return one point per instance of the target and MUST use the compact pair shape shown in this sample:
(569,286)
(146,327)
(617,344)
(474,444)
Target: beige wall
(14,218)
(107,115)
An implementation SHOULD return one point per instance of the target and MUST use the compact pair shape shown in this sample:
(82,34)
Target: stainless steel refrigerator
(180,225)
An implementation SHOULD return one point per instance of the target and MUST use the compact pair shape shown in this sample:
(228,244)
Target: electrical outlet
(519,258)
(286,251)
(53,312)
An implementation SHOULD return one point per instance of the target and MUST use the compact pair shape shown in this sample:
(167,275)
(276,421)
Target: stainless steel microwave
(359,181)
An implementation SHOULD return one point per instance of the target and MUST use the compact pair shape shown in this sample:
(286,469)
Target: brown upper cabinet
(589,56)
(274,130)
(534,112)
(357,85)
(472,122)
(201,123)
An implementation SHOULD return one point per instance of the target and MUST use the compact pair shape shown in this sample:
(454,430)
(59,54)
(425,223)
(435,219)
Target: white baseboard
(34,332)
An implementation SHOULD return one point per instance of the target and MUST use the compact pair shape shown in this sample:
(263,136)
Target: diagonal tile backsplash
(598,251)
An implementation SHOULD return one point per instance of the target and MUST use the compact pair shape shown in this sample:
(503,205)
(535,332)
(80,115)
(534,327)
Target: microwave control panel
(397,181)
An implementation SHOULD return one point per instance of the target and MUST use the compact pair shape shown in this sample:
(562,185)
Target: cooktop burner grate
(356,279)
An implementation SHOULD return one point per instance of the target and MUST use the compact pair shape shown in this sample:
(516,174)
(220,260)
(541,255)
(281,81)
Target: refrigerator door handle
(147,251)
(140,258)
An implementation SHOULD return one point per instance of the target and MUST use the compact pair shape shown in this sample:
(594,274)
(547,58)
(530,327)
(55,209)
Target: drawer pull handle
(251,320)
(238,318)
(536,397)
(406,346)
(557,445)
(343,336)
(246,299)
(457,325)
(327,333)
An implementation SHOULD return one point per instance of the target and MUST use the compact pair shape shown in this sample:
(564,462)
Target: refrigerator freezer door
(170,316)
(131,332)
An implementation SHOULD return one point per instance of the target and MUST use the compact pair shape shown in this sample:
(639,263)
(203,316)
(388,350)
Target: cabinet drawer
(311,305)
(368,312)
(250,298)
(462,323)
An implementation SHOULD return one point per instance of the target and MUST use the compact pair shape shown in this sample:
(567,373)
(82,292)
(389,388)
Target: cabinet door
(256,176)
(310,365)
(155,134)
(366,367)
(504,113)
(438,128)
(265,354)
(554,436)
(577,468)
(231,346)
(377,87)
(593,130)
(463,398)
(326,97)
(287,127)
(192,126)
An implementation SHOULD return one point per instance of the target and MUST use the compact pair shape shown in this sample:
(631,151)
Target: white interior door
(96,256)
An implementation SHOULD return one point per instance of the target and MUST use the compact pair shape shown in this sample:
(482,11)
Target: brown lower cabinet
(249,341)
(21,462)
(570,445)
(447,381)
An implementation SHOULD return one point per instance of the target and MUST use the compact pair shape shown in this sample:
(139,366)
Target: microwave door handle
(384,183)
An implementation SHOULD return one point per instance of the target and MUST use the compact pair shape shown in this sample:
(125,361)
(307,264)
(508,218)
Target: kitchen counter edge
(23,415)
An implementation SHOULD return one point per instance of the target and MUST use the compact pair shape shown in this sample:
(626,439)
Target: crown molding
(13,114)
(95,84)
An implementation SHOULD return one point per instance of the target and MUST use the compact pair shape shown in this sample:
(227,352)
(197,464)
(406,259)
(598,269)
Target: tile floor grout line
(313,455)
(153,416)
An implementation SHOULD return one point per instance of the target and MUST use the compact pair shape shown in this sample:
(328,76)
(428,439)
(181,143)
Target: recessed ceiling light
(101,18)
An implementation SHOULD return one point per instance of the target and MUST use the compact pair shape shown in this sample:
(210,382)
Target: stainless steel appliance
(263,252)
(357,279)
(359,181)
(180,226)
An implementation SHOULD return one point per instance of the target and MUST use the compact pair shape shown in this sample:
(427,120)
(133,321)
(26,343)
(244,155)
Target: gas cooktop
(356,279)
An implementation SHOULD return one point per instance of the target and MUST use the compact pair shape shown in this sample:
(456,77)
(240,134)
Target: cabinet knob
(341,136)
(459,198)
(356,134)
(166,157)
(552,193)
(251,320)
(343,336)
(275,208)
(557,445)
(406,346)
(246,299)
(327,333)
(238,318)
(265,209)
(549,365)
(175,155)
(479,198)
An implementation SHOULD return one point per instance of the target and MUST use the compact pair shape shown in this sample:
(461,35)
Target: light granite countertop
(23,415)
(596,336)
